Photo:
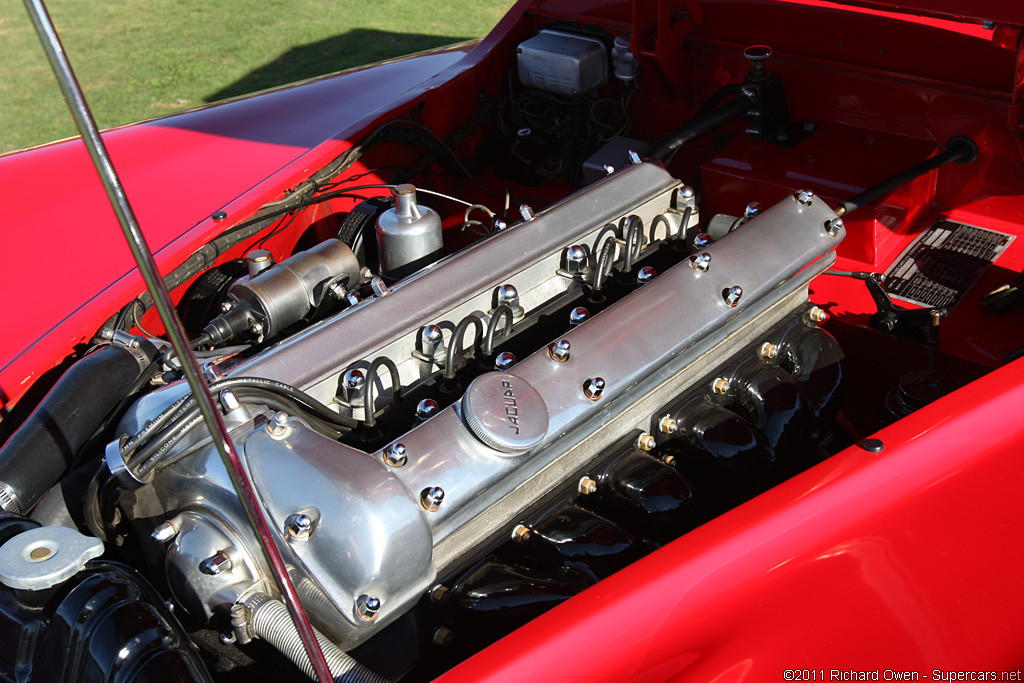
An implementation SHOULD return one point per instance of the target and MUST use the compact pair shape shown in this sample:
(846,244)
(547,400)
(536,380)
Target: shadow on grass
(353,48)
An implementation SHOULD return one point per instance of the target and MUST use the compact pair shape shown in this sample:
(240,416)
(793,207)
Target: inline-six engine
(623,379)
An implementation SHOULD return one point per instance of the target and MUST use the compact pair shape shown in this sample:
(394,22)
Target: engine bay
(633,269)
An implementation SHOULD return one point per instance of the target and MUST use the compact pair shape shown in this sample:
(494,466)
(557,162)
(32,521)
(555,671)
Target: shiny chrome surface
(386,523)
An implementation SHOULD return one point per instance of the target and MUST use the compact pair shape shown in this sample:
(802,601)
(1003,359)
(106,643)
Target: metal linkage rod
(147,266)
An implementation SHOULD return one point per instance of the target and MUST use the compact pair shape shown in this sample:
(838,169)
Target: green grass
(137,59)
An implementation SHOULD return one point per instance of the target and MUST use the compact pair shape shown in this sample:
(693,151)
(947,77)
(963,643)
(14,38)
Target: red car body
(898,562)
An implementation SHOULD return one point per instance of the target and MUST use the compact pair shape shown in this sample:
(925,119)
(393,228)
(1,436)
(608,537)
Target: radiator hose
(42,448)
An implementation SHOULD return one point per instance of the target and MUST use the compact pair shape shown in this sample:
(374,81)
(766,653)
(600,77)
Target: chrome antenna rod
(147,266)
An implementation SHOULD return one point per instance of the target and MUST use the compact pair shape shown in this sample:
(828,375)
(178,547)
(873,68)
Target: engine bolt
(257,330)
(394,455)
(431,340)
(559,351)
(432,497)
(833,226)
(578,316)
(646,442)
(504,361)
(440,594)
(426,409)
(668,459)
(216,564)
(768,351)
(817,315)
(587,486)
(164,532)
(593,388)
(229,400)
(278,427)
(520,532)
(804,197)
(634,157)
(355,379)
(444,637)
(668,425)
(508,294)
(609,169)
(720,386)
(576,260)
(526,211)
(732,295)
(701,241)
(685,196)
(300,526)
(752,209)
(645,275)
(367,607)
(379,287)
(701,262)
(499,225)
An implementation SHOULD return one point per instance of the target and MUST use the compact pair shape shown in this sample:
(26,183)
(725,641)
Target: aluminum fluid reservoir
(408,236)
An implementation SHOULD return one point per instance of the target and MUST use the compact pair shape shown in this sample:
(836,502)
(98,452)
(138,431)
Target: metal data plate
(943,263)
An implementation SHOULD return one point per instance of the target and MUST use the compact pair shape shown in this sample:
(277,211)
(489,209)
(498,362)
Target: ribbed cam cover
(505,412)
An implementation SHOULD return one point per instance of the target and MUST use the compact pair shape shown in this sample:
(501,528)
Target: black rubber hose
(667,147)
(960,149)
(42,448)
(604,262)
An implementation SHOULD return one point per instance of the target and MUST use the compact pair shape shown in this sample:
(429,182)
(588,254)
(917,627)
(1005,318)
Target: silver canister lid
(505,412)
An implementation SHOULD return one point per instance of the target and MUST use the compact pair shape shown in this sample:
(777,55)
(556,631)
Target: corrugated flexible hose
(269,620)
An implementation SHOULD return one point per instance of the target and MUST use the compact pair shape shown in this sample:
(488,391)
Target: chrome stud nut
(299,526)
(732,295)
(645,275)
(834,226)
(593,388)
(507,294)
(504,361)
(804,197)
(432,497)
(576,260)
(164,532)
(526,211)
(587,486)
(559,351)
(216,564)
(280,425)
(578,316)
(701,241)
(767,351)
(426,409)
(395,455)
(701,262)
(685,196)
(367,607)
(634,157)
(720,386)
(752,209)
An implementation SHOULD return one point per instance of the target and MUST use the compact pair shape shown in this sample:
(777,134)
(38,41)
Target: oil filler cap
(505,412)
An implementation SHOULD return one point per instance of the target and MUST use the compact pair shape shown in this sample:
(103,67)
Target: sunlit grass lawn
(137,59)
